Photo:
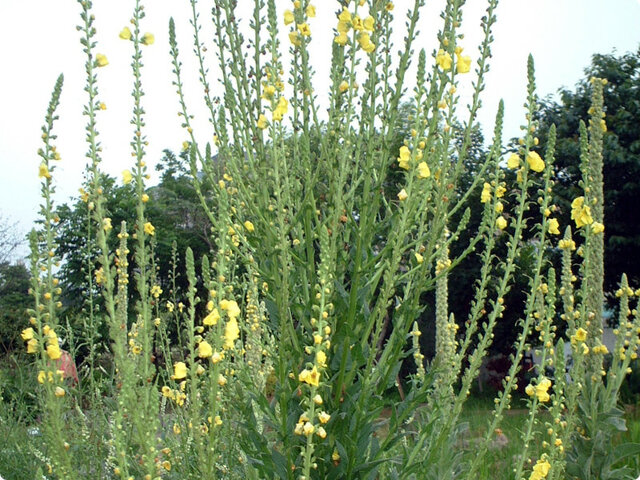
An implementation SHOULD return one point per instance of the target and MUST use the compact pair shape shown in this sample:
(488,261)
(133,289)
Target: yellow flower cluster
(540,469)
(405,157)
(463,62)
(280,110)
(485,196)
(554,226)
(444,60)
(364,27)
(149,229)
(53,348)
(579,336)
(581,213)
(231,330)
(540,390)
(567,244)
(310,376)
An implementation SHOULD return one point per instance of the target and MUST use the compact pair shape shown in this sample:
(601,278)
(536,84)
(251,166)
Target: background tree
(621,156)
(173,208)
(14,301)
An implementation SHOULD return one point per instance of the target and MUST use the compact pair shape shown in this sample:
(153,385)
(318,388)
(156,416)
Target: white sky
(39,41)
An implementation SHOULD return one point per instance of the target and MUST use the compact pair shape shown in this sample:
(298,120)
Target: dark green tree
(14,301)
(173,208)
(621,156)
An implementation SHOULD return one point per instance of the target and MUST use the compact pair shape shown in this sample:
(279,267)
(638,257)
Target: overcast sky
(39,41)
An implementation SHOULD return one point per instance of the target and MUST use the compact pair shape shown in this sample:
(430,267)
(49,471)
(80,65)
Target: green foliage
(280,356)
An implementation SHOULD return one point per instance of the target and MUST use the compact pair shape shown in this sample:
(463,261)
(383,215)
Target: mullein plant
(327,234)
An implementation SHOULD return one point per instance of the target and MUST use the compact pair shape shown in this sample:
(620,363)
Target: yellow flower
(581,334)
(125,33)
(32,346)
(567,244)
(369,23)
(500,191)
(43,171)
(514,161)
(485,196)
(231,307)
(343,87)
(106,224)
(288,17)
(308,428)
(262,122)
(59,392)
(310,377)
(295,39)
(317,399)
(321,432)
(179,371)
(53,350)
(269,91)
(212,318)
(27,334)
(204,349)
(101,60)
(405,156)
(501,222)
(324,417)
(249,226)
(553,226)
(597,227)
(341,39)
(149,229)
(304,29)
(321,359)
(126,177)
(419,258)
(41,376)
(358,26)
(580,212)
(148,39)
(343,27)
(389,6)
(281,108)
(345,15)
(535,162)
(365,42)
(231,333)
(156,291)
(463,64)
(443,59)
(310,11)
(167,392)
(541,390)
(222,380)
(402,195)
(423,170)
(217,357)
(144,198)
(540,470)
